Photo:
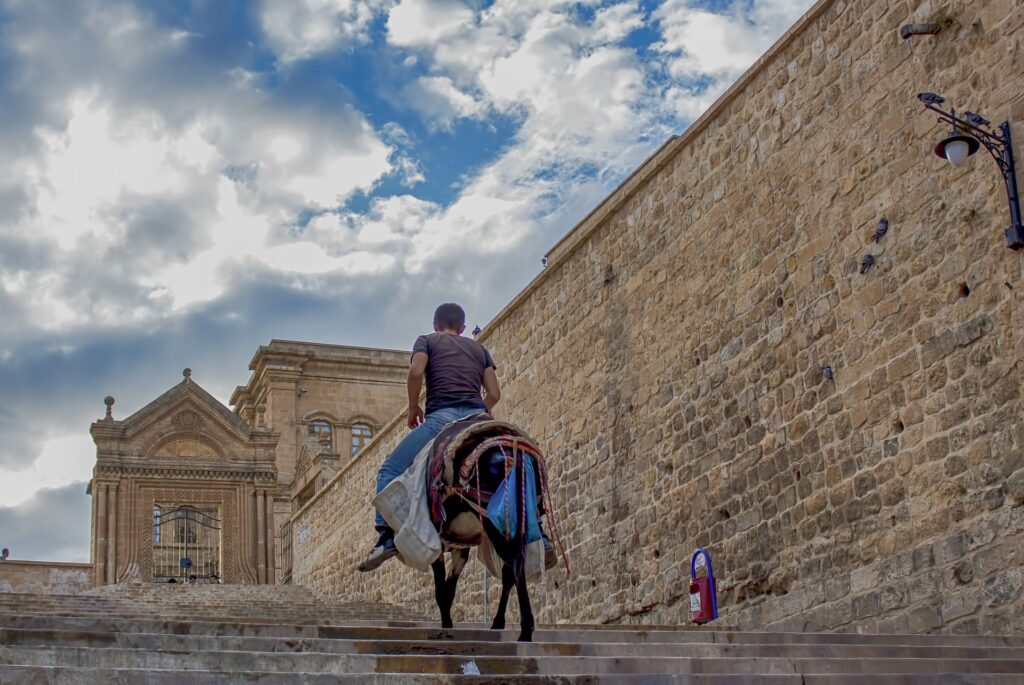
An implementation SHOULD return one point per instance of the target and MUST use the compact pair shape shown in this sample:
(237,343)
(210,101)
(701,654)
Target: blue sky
(180,182)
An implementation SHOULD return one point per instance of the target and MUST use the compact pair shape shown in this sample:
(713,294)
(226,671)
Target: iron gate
(186,544)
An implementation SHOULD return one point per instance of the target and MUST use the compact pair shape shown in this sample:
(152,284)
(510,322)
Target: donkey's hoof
(443,634)
(526,637)
(497,626)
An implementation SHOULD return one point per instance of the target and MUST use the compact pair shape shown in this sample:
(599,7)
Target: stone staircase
(257,634)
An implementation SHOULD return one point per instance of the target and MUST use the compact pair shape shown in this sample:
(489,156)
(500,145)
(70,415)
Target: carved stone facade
(185,478)
(184,451)
(322,400)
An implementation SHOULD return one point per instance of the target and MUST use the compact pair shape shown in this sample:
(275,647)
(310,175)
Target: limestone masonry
(671,356)
(44,576)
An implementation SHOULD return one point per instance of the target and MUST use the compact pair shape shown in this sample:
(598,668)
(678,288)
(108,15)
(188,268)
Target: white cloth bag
(403,504)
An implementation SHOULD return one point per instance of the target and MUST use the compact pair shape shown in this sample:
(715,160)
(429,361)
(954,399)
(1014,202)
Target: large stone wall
(55,577)
(670,356)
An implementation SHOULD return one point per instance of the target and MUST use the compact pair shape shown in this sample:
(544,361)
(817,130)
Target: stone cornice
(285,361)
(299,352)
(250,463)
(221,474)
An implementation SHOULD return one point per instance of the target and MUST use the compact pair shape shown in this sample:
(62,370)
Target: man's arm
(417,369)
(492,393)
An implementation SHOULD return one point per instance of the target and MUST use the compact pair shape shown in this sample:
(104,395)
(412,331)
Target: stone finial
(187,373)
(261,415)
(109,401)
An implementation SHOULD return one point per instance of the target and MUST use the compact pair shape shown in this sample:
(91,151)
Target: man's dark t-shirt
(455,370)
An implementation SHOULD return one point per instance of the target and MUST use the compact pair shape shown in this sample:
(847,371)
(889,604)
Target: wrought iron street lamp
(968,136)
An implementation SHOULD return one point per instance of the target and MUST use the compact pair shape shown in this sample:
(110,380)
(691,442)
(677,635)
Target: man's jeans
(399,461)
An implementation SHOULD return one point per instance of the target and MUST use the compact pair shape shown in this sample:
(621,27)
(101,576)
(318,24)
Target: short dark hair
(450,316)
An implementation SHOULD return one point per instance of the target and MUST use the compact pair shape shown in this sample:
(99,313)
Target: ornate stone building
(185,486)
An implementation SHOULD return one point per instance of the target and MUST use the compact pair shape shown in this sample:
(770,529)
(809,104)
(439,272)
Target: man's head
(6,553)
(449,318)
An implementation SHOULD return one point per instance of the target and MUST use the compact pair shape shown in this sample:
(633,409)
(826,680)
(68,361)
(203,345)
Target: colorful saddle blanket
(453,469)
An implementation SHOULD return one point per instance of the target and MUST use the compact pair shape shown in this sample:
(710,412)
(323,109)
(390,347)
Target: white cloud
(61,461)
(437,98)
(613,24)
(298,29)
(92,165)
(403,165)
(706,51)
(240,234)
(722,45)
(92,162)
(419,23)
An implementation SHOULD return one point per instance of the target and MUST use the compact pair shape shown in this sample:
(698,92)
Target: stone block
(923,619)
(867,605)
(1014,487)
(1003,587)
(960,603)
(938,348)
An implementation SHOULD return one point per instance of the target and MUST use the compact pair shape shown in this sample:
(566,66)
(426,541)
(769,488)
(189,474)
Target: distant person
(192,580)
(6,553)
(171,580)
(215,579)
(455,369)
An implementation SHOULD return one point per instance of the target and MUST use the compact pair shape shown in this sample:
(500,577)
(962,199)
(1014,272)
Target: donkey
(464,526)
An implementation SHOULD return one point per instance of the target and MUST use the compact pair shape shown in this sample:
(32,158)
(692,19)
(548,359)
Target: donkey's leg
(508,579)
(459,559)
(522,592)
(440,593)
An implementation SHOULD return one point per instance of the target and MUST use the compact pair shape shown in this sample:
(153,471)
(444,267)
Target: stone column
(271,541)
(100,569)
(112,535)
(261,535)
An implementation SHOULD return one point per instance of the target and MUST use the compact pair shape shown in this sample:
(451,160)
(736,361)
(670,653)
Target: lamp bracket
(997,142)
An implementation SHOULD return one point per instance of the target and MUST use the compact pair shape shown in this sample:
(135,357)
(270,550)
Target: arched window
(361,436)
(321,430)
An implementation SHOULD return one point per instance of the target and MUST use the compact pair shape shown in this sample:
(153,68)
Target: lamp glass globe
(957,152)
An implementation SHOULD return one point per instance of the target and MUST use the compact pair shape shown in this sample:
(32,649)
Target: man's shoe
(550,557)
(378,555)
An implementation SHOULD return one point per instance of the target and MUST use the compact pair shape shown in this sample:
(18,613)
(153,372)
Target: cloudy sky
(180,182)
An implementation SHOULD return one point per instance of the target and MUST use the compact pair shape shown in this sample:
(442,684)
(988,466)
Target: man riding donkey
(456,369)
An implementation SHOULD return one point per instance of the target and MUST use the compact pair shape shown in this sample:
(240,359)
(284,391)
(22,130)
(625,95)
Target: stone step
(317,662)
(30,675)
(212,614)
(366,631)
(478,632)
(194,643)
(213,600)
(313,614)
(260,634)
